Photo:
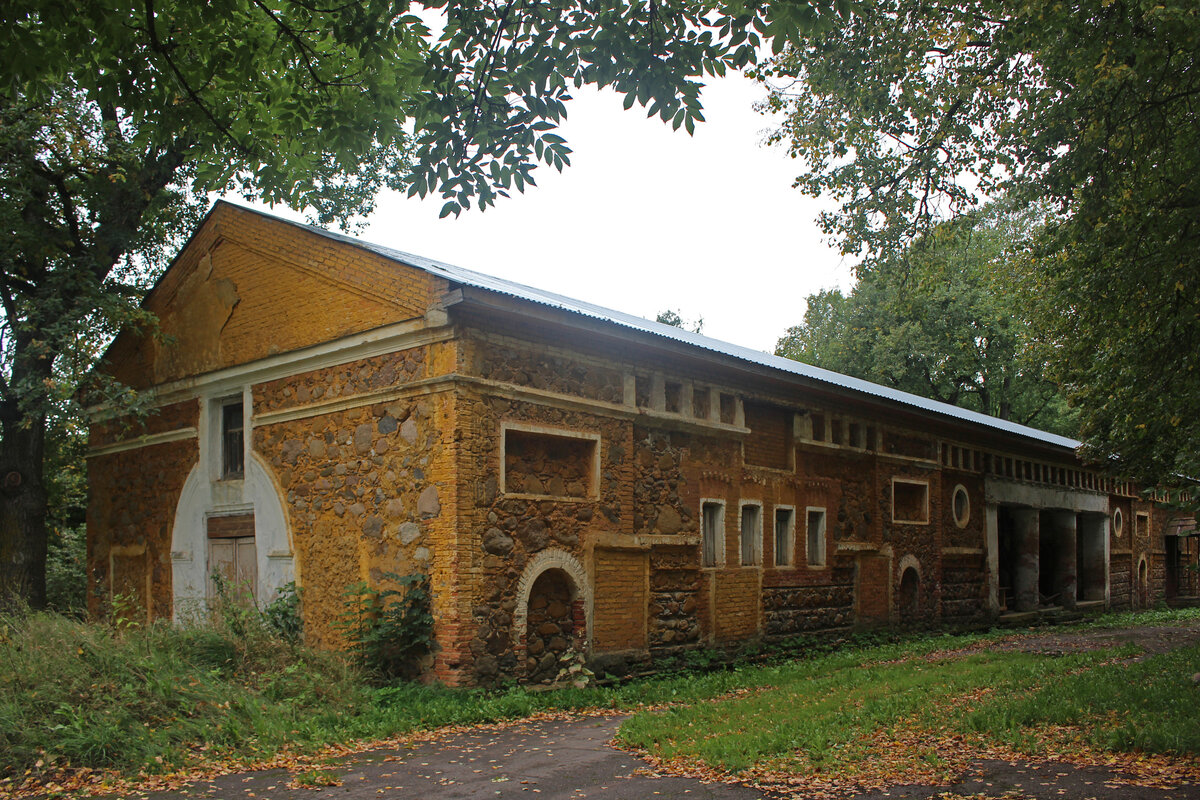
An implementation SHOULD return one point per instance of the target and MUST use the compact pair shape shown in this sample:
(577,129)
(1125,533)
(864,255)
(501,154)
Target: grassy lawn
(923,707)
(161,698)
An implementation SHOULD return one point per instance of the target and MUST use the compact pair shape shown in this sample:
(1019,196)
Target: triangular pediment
(248,286)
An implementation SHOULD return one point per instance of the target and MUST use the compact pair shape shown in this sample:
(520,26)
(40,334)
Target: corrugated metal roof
(786,365)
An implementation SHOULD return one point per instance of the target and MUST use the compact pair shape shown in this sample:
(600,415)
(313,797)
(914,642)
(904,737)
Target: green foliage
(914,112)
(97,696)
(117,122)
(824,713)
(573,670)
(940,321)
(316,777)
(283,614)
(146,697)
(1147,705)
(672,318)
(389,630)
(66,571)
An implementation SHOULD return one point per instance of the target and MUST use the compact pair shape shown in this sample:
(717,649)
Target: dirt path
(551,760)
(1009,780)
(572,759)
(1152,639)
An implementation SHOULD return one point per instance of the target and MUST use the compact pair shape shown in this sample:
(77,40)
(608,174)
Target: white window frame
(593,490)
(215,437)
(817,560)
(756,537)
(719,544)
(962,521)
(910,482)
(791,535)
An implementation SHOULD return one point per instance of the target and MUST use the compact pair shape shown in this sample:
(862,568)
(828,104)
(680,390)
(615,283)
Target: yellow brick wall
(248,286)
(131,510)
(620,601)
(736,603)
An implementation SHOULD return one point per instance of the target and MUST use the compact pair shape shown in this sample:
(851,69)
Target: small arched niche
(908,596)
(551,616)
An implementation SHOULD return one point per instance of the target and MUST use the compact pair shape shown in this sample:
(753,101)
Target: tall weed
(389,630)
(141,696)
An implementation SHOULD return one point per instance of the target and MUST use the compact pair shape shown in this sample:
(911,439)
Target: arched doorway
(248,542)
(1143,584)
(552,614)
(907,593)
(551,627)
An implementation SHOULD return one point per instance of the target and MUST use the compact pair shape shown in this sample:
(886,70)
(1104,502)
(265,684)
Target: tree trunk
(23,533)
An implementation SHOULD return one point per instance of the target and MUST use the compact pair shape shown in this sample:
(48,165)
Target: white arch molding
(552,558)
(189,539)
(909,561)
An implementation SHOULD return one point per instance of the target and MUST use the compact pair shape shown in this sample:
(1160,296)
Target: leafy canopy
(117,120)
(939,322)
(674,319)
(917,111)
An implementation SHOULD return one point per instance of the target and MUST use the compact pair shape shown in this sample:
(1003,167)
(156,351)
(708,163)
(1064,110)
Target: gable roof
(490,283)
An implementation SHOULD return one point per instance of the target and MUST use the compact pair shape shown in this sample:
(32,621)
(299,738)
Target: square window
(728,409)
(751,535)
(712,519)
(910,501)
(818,427)
(673,393)
(701,402)
(641,391)
(551,464)
(816,537)
(784,524)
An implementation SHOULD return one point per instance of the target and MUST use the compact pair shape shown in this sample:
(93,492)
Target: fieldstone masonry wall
(674,598)
(362,491)
(132,498)
(548,473)
(343,380)
(550,625)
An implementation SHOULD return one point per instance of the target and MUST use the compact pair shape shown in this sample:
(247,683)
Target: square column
(991,528)
(1026,532)
(1064,575)
(1092,557)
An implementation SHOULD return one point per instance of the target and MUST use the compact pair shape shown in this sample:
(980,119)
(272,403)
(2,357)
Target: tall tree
(940,322)
(672,317)
(117,119)
(916,110)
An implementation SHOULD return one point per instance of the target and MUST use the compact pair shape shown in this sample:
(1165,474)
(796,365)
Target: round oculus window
(961,505)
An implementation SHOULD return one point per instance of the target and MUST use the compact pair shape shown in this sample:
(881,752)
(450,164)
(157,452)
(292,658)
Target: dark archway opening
(1143,584)
(551,625)
(909,595)
(1173,566)
(1006,543)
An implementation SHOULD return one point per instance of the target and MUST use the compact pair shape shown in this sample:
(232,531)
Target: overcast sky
(647,219)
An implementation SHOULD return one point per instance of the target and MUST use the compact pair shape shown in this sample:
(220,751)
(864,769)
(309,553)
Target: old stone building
(330,411)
